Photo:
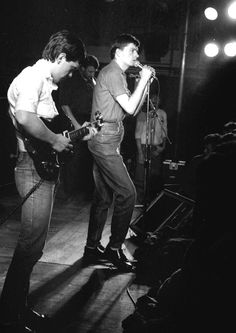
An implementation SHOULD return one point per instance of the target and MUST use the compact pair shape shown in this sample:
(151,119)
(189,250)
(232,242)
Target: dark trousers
(112,182)
(77,172)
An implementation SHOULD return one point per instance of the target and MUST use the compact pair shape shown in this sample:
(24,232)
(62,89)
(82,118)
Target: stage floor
(78,299)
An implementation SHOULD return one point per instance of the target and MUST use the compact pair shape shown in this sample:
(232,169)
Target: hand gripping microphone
(138,64)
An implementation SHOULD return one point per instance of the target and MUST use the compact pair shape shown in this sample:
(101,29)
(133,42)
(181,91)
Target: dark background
(208,91)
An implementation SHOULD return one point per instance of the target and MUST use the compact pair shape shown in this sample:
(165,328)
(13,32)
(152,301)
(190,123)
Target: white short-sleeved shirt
(31,91)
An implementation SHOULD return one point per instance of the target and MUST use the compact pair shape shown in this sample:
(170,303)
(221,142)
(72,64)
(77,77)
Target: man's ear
(61,57)
(117,53)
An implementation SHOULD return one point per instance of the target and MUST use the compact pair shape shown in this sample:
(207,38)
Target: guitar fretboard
(78,134)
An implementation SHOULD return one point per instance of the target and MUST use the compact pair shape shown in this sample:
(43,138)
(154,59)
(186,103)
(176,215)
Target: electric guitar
(46,160)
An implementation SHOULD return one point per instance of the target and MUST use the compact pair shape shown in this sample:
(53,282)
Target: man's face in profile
(89,72)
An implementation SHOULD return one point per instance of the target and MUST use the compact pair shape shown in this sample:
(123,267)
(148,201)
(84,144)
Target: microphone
(138,64)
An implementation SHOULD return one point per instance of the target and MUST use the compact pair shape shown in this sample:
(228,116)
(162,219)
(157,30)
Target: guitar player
(75,99)
(30,99)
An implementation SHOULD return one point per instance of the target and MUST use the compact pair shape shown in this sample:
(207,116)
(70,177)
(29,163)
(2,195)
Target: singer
(112,181)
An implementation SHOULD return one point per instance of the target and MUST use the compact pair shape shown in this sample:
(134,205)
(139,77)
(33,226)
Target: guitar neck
(78,134)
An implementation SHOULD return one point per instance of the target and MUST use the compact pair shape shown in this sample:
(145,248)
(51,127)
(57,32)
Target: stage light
(230,49)
(211,50)
(211,13)
(232,10)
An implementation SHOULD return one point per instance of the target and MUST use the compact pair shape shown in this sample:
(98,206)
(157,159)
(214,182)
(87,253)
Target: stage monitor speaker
(167,209)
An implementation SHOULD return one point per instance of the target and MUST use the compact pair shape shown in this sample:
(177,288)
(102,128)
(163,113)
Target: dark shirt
(77,93)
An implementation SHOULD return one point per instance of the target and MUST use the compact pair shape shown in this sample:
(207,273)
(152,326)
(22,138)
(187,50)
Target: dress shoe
(34,319)
(15,327)
(93,256)
(119,260)
(123,256)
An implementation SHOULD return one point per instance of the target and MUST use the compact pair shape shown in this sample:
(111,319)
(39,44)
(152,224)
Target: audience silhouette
(199,295)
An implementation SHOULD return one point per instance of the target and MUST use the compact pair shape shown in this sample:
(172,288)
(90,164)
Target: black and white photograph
(117,173)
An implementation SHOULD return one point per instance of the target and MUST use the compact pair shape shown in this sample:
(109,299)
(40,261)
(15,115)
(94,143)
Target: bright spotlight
(211,13)
(211,50)
(230,49)
(232,11)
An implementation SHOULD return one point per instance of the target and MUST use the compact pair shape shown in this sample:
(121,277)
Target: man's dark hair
(90,60)
(121,41)
(66,42)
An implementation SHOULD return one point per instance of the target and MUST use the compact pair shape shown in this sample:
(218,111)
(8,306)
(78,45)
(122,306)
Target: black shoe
(16,327)
(34,319)
(93,256)
(123,256)
(119,260)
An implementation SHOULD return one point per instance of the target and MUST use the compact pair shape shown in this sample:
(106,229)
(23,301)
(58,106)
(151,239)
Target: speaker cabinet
(167,209)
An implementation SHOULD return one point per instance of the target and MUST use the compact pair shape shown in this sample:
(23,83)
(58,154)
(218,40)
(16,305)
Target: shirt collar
(44,67)
(114,63)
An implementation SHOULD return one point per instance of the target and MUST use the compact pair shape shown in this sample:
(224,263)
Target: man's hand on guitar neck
(92,131)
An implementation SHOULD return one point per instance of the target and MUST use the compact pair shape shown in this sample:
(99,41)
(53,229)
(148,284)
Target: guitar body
(47,161)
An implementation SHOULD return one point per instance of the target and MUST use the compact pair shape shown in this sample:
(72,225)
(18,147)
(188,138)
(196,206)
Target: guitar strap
(34,188)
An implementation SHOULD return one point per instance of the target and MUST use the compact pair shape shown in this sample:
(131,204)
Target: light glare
(211,50)
(230,49)
(211,13)
(232,11)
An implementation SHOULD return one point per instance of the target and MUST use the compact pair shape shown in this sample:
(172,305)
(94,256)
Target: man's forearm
(34,126)
(137,98)
(140,104)
(66,109)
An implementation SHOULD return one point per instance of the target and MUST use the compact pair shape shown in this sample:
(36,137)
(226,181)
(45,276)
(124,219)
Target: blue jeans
(35,219)
(112,181)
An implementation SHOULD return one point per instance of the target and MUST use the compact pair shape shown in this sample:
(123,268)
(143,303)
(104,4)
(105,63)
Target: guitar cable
(34,188)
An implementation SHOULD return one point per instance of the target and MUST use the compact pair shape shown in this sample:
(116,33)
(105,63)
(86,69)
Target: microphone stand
(147,158)
(150,125)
